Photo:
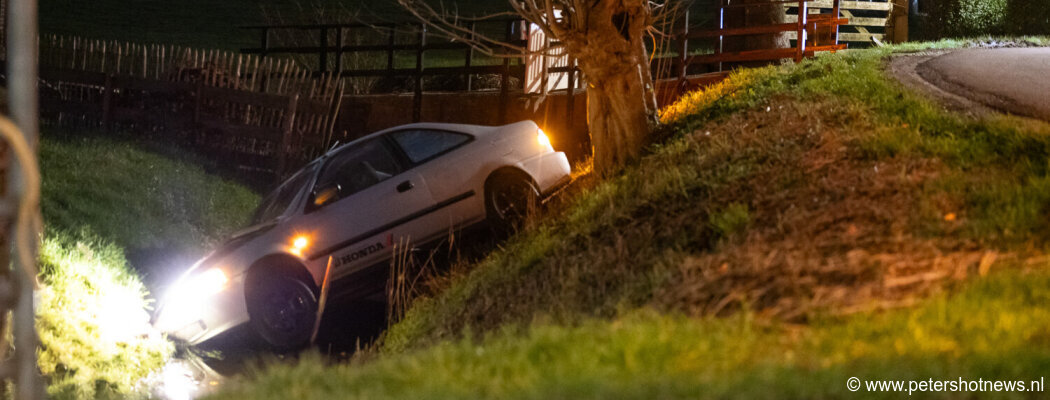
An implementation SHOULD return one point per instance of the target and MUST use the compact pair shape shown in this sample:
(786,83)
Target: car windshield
(281,198)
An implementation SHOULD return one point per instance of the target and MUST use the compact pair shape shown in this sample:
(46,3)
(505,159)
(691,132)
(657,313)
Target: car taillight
(544,140)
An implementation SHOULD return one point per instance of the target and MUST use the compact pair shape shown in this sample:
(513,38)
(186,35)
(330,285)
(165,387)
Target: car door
(363,203)
(434,153)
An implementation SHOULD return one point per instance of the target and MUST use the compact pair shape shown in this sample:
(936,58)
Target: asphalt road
(1012,80)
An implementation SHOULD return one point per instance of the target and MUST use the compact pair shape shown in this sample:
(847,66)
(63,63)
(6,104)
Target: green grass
(134,198)
(573,307)
(92,319)
(992,329)
(103,199)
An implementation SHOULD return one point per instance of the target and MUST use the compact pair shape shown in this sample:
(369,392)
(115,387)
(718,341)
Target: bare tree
(608,38)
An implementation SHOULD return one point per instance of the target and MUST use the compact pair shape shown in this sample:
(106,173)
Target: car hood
(236,240)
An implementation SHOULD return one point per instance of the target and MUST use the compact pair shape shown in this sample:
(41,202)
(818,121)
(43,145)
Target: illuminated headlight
(186,301)
(544,140)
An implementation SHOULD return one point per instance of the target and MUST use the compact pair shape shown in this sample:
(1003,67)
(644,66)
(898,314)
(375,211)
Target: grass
(992,329)
(619,244)
(104,199)
(136,199)
(96,341)
(750,254)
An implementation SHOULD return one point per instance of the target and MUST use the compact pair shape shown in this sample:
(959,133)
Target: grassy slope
(102,197)
(565,309)
(134,198)
(622,241)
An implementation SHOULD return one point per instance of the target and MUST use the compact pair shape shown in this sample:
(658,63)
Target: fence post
(835,11)
(107,103)
(469,56)
(265,41)
(898,16)
(198,99)
(23,105)
(417,98)
(800,41)
(339,51)
(721,25)
(570,97)
(683,50)
(390,51)
(322,56)
(286,136)
(505,78)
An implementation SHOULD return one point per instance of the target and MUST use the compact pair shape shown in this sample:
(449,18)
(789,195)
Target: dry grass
(829,231)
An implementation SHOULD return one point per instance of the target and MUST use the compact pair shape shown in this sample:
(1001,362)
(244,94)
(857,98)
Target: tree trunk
(621,104)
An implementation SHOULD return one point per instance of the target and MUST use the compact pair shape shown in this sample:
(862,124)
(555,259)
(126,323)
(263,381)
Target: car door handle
(405,186)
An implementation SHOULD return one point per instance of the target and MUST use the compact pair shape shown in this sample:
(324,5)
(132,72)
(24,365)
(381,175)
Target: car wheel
(509,199)
(283,310)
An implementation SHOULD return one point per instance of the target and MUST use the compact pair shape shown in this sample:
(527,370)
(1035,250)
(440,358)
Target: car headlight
(186,301)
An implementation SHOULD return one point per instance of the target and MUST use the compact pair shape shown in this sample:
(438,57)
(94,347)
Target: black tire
(283,309)
(510,198)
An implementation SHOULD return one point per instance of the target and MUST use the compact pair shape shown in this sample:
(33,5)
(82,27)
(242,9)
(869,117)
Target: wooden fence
(691,65)
(259,116)
(331,44)
(869,22)
(327,45)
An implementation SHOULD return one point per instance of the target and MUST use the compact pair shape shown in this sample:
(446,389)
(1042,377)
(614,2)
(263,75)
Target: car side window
(355,169)
(421,145)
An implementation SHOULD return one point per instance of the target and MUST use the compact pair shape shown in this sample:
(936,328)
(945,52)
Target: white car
(410,184)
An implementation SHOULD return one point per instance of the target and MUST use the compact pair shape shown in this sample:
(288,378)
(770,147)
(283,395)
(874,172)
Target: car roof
(465,128)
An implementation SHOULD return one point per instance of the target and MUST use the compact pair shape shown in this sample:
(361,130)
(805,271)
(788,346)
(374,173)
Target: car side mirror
(325,195)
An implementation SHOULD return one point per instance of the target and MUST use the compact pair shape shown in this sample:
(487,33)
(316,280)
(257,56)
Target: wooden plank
(848,36)
(759,55)
(751,30)
(73,76)
(849,5)
(149,116)
(242,131)
(477,69)
(310,106)
(353,49)
(152,85)
(852,20)
(52,105)
(254,99)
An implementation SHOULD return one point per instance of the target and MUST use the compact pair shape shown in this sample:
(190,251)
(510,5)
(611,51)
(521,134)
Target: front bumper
(194,320)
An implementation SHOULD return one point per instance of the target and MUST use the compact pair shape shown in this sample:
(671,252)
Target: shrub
(1028,17)
(969,18)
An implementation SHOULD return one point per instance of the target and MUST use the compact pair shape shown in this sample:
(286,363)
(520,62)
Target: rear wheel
(509,200)
(283,309)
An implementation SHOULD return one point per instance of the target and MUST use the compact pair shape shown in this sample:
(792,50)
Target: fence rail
(329,44)
(819,33)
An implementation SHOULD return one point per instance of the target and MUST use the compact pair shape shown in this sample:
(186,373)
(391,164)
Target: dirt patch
(830,231)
